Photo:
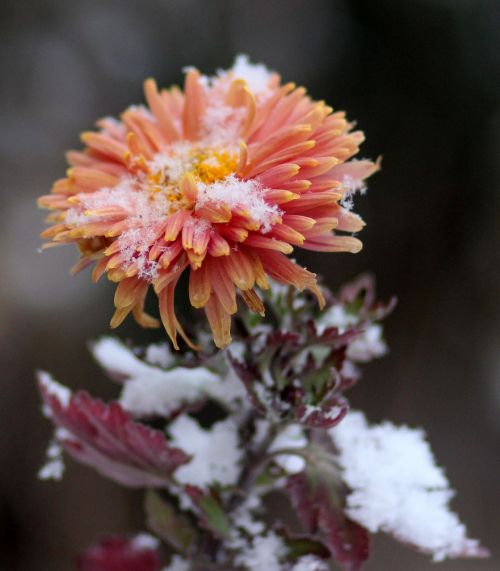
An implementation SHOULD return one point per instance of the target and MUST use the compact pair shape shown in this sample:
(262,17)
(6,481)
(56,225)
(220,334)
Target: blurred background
(422,78)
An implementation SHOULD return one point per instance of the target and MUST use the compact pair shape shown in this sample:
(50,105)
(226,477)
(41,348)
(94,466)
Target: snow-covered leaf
(397,487)
(108,439)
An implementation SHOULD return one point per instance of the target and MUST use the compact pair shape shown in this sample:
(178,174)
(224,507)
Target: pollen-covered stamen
(167,172)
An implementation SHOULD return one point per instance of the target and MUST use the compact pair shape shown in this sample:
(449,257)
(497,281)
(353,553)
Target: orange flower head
(221,180)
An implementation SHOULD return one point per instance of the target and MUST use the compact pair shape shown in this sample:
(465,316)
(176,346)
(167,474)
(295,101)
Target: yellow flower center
(206,165)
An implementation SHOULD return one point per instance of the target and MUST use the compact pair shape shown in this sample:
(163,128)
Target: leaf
(165,520)
(316,497)
(327,414)
(108,439)
(213,516)
(122,554)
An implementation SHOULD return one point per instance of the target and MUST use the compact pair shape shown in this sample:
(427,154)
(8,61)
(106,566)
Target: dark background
(422,78)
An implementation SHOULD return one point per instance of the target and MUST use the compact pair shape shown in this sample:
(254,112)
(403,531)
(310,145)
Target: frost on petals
(140,553)
(221,181)
(106,438)
(396,487)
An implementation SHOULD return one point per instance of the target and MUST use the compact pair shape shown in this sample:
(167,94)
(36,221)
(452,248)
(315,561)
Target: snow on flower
(216,454)
(221,180)
(396,487)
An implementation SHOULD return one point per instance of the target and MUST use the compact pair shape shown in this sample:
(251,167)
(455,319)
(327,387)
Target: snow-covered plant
(219,183)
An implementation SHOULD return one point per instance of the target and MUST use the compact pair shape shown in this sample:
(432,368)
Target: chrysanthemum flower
(222,180)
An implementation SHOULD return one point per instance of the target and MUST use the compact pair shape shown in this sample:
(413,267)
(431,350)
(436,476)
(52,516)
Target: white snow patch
(263,552)
(221,125)
(216,452)
(173,163)
(257,75)
(336,316)
(145,542)
(244,519)
(55,389)
(291,437)
(53,469)
(247,194)
(310,563)
(177,563)
(397,487)
(149,390)
(159,355)
(369,345)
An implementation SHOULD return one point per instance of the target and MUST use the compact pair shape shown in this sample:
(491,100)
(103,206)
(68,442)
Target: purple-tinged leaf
(327,414)
(108,439)
(317,503)
(122,554)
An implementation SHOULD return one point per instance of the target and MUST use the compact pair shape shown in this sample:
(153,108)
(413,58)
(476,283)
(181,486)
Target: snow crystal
(145,541)
(336,316)
(177,563)
(221,125)
(55,389)
(216,455)
(146,212)
(369,345)
(351,186)
(257,75)
(332,413)
(263,552)
(174,164)
(150,390)
(245,525)
(54,467)
(247,194)
(162,392)
(397,487)
(291,437)
(310,563)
